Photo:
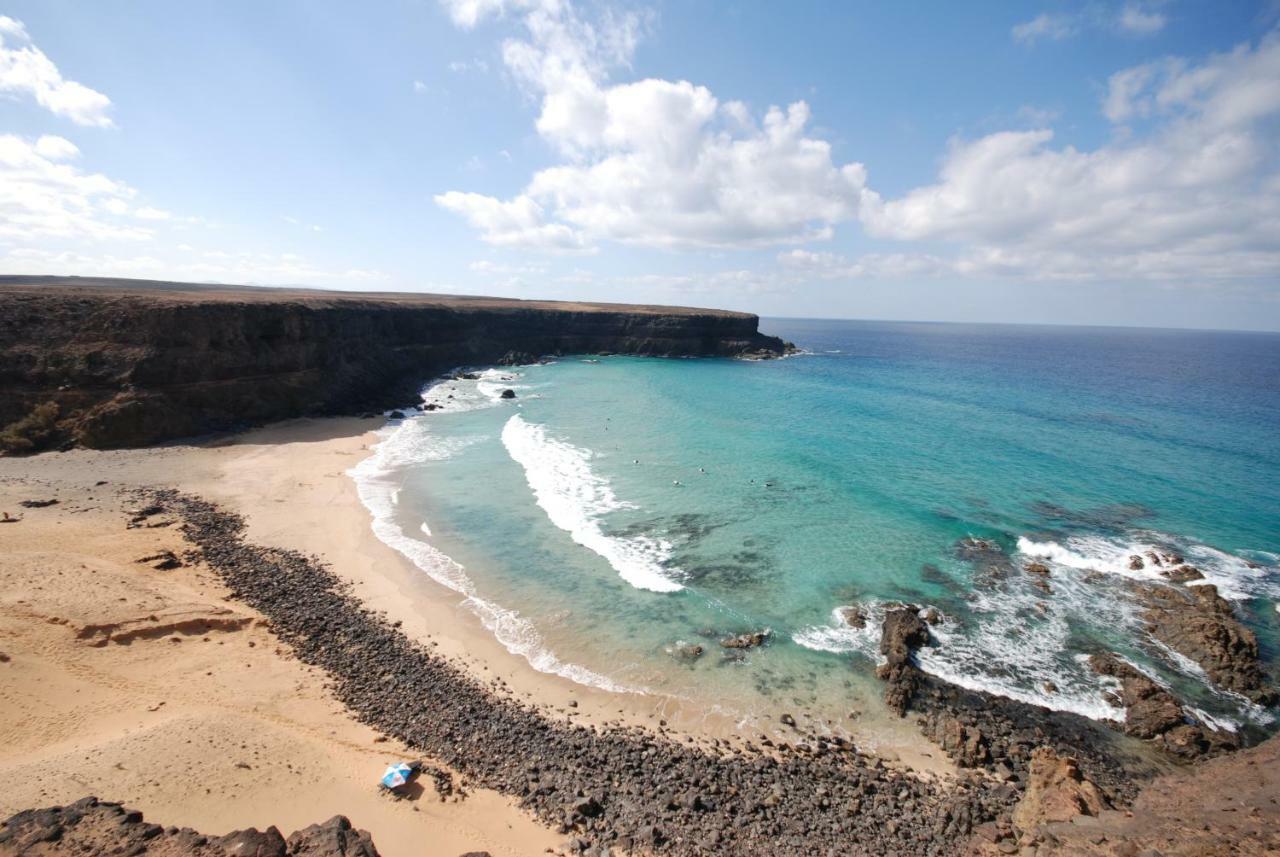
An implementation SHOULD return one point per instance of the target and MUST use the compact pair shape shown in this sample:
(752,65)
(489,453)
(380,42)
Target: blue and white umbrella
(396,776)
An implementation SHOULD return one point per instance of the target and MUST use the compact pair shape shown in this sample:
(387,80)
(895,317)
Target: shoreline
(289,482)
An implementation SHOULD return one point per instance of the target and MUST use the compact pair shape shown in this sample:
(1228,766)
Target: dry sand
(149,687)
(223,729)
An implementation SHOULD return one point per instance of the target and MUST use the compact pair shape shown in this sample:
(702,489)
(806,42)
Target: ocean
(619,511)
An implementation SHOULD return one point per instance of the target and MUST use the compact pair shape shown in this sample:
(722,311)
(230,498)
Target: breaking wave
(575,499)
(377,480)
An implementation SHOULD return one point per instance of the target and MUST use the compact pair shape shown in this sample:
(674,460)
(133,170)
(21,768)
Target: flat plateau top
(160,291)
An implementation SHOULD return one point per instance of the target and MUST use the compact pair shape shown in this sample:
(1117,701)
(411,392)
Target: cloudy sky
(1091,162)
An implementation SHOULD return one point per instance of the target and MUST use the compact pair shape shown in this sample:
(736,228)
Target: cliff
(112,363)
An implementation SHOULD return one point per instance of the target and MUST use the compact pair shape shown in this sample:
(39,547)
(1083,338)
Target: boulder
(1056,791)
(853,616)
(253,843)
(748,640)
(1182,573)
(507,394)
(334,838)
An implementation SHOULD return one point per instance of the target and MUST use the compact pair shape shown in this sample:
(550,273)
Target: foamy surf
(575,499)
(1236,578)
(377,480)
(458,395)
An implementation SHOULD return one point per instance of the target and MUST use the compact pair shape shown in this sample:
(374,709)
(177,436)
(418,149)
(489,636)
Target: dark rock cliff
(108,363)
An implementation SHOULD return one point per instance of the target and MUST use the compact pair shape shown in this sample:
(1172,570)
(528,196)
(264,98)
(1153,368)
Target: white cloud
(149,213)
(55,148)
(652,162)
(1139,21)
(1134,18)
(43,196)
(419,87)
(463,66)
(1044,26)
(517,221)
(1196,197)
(25,70)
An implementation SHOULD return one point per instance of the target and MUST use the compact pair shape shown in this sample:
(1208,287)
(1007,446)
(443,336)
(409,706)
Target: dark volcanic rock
(901,634)
(507,394)
(334,838)
(749,640)
(1153,713)
(111,363)
(90,826)
(1200,624)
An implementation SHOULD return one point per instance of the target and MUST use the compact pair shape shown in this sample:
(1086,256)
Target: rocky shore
(629,789)
(91,826)
(116,363)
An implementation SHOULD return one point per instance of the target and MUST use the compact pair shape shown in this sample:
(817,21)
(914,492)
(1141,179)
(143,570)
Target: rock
(1136,563)
(1199,623)
(1182,573)
(933,616)
(508,394)
(1056,791)
(687,651)
(253,843)
(853,616)
(966,745)
(902,632)
(334,838)
(36,504)
(1150,709)
(788,720)
(749,640)
(1036,568)
(396,415)
(163,561)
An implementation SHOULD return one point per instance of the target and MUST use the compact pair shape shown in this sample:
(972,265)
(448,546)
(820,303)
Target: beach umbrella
(396,776)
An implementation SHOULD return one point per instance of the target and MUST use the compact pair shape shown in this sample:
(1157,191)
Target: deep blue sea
(621,508)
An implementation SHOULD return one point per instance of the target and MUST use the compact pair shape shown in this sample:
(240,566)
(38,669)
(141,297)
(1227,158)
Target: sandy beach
(150,687)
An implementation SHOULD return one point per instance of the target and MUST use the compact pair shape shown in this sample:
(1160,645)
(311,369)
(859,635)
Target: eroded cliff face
(124,363)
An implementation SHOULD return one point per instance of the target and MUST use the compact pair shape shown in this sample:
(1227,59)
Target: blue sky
(1106,163)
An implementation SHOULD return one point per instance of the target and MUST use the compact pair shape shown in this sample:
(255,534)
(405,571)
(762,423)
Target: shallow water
(619,508)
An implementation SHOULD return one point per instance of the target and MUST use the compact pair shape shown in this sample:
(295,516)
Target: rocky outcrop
(1197,622)
(1056,791)
(90,826)
(1154,714)
(901,634)
(119,363)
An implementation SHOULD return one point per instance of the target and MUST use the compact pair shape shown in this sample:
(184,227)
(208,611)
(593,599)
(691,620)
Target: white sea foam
(575,499)
(377,480)
(839,637)
(1235,578)
(454,395)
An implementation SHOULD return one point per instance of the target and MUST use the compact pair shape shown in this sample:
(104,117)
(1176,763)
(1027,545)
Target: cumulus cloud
(42,195)
(1196,196)
(25,70)
(652,162)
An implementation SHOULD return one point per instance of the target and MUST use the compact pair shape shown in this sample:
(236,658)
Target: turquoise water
(619,508)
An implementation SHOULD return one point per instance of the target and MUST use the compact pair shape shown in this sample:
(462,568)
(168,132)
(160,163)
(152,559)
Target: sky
(1109,162)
